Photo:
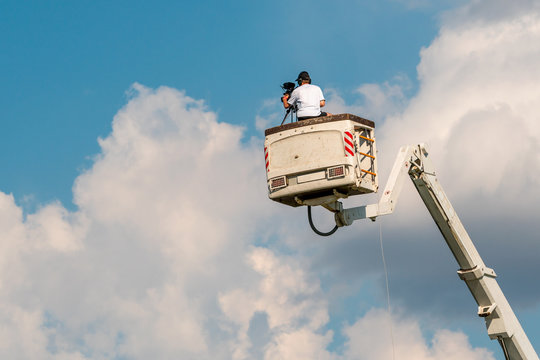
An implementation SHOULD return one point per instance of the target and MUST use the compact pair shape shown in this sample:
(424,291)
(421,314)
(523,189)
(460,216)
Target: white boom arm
(501,322)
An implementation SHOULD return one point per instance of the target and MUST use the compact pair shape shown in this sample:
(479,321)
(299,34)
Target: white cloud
(477,108)
(477,105)
(376,100)
(165,215)
(485,12)
(158,261)
(293,302)
(370,338)
(268,116)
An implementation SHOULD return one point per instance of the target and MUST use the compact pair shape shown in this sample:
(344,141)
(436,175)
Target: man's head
(303,78)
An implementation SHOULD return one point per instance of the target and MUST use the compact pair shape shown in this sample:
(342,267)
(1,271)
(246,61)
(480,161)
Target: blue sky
(134,220)
(66,66)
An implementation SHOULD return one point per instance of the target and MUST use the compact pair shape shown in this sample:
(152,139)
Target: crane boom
(501,322)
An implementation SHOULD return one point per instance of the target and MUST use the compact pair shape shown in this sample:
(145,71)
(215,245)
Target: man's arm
(322,101)
(284,100)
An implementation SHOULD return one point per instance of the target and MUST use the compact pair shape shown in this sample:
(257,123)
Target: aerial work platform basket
(316,161)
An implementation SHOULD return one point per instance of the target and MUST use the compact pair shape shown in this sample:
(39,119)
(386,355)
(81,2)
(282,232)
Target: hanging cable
(315,229)
(389,309)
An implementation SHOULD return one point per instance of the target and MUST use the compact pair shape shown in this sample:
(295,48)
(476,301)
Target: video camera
(288,88)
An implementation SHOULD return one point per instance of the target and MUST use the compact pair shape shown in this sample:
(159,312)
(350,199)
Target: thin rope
(387,293)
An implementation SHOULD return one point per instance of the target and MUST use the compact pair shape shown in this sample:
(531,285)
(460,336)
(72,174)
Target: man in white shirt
(307,98)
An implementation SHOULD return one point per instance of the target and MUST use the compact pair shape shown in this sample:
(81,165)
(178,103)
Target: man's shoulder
(307,87)
(314,89)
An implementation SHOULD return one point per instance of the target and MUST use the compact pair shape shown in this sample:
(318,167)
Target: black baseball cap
(303,76)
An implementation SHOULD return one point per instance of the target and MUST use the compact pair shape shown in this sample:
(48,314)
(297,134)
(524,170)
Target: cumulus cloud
(158,235)
(478,103)
(369,338)
(169,255)
(477,108)
(294,306)
(268,116)
(374,101)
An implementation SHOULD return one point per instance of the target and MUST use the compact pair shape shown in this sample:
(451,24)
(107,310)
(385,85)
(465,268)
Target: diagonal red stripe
(349,151)
(348,142)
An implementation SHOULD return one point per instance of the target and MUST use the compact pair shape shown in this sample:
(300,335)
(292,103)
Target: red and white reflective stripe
(349,146)
(266,158)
